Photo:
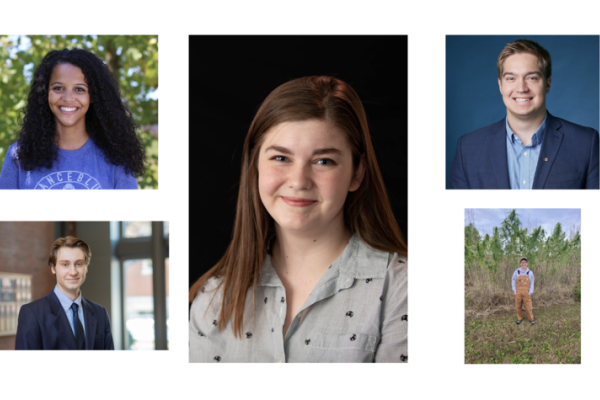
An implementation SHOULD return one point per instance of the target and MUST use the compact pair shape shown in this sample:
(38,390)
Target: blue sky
(487,218)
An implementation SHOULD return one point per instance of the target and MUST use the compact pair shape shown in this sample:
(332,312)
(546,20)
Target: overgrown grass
(497,339)
(488,291)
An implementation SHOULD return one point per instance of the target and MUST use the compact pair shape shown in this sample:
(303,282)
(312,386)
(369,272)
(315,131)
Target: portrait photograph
(78,112)
(84,285)
(522,112)
(522,286)
(302,141)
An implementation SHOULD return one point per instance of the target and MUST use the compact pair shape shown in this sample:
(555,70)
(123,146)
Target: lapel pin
(546,159)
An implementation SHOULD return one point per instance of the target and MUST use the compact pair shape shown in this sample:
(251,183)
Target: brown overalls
(522,297)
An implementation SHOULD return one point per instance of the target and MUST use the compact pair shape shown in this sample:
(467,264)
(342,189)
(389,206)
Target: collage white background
(436,334)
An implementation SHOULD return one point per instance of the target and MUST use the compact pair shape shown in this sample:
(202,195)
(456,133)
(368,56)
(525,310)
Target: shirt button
(524,181)
(525,153)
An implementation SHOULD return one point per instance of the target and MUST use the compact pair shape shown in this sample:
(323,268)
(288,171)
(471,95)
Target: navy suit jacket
(43,325)
(571,151)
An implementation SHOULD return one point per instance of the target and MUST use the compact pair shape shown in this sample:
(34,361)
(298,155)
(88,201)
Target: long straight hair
(366,211)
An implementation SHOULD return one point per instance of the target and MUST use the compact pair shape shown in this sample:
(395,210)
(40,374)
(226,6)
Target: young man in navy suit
(530,148)
(64,320)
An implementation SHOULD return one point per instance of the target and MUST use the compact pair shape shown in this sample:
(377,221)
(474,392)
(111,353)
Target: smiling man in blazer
(530,148)
(64,320)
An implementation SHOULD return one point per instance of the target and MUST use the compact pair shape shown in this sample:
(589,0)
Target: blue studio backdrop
(473,98)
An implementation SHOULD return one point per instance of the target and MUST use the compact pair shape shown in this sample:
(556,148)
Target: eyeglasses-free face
(305,172)
(523,87)
(68,96)
(70,270)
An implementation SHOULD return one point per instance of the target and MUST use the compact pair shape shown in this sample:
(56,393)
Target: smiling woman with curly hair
(77,133)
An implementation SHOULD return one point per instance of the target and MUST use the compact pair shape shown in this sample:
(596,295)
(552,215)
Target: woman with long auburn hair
(316,270)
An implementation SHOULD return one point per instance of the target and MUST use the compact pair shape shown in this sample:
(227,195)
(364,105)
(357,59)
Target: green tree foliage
(510,242)
(133,61)
(496,249)
(472,239)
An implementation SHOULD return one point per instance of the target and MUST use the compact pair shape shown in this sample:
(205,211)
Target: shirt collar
(537,137)
(65,301)
(357,261)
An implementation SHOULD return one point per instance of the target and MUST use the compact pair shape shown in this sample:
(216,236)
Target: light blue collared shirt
(66,303)
(522,160)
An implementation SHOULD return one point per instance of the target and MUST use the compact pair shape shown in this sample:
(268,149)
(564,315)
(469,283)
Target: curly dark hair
(108,121)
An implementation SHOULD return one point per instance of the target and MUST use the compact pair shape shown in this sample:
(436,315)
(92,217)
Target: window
(144,275)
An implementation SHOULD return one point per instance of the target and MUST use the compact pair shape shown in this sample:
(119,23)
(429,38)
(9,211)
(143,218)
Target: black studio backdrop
(230,76)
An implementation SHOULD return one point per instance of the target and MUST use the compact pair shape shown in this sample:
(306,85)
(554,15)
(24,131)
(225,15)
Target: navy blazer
(43,325)
(568,158)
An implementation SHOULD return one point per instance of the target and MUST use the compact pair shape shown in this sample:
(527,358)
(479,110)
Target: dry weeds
(487,292)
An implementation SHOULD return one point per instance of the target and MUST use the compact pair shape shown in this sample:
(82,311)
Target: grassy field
(497,339)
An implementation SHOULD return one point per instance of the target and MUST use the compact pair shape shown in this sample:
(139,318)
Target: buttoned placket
(281,312)
(524,161)
(523,165)
(525,157)
(276,311)
(330,284)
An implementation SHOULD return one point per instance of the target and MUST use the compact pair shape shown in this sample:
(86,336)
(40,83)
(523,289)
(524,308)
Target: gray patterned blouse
(357,312)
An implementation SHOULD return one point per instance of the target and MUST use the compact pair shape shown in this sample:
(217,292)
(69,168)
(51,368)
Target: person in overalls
(522,285)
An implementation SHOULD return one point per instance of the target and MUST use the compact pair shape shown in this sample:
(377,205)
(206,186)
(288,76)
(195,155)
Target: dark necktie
(79,335)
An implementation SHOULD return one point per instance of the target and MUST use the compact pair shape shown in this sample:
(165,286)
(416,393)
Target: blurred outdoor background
(133,61)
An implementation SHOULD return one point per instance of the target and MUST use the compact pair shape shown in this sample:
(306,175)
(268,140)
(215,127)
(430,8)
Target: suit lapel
(551,144)
(90,325)
(496,149)
(61,322)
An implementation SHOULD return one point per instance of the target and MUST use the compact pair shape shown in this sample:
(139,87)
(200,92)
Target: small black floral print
(404,318)
(349,314)
(201,334)
(402,262)
(202,289)
(215,322)
(217,358)
(283,299)
(403,358)
(369,280)
(266,300)
(248,335)
(353,337)
(380,298)
(307,341)
(272,329)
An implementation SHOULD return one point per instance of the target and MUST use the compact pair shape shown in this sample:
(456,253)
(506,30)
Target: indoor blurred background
(128,275)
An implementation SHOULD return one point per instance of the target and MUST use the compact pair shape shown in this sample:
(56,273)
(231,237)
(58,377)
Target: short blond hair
(529,47)
(73,243)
